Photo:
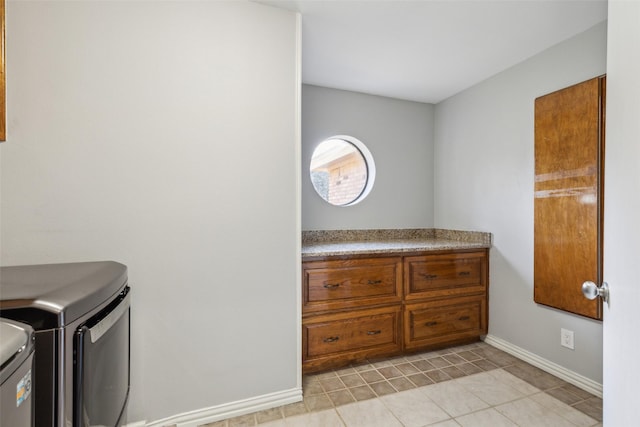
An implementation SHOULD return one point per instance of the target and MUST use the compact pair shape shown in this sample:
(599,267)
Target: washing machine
(80,314)
(16,374)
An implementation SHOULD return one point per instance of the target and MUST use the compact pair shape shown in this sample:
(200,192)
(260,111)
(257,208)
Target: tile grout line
(479,355)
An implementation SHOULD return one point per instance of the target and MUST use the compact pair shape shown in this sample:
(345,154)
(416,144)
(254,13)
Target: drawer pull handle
(374,332)
(464,318)
(374,282)
(331,339)
(464,273)
(431,324)
(429,276)
(331,285)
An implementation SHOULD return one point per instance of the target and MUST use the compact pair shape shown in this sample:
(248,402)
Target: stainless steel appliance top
(58,294)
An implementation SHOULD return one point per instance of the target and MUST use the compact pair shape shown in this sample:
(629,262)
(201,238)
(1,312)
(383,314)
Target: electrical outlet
(566,338)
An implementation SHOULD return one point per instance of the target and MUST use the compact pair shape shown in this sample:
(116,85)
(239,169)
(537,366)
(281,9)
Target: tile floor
(473,385)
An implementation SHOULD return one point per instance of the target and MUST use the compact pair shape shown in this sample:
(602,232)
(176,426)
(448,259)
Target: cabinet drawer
(442,321)
(434,276)
(329,285)
(352,335)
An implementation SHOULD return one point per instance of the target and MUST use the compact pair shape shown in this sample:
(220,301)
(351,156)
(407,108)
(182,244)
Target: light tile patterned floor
(474,385)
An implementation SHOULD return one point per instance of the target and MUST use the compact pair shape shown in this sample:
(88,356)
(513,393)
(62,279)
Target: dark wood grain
(569,146)
(333,340)
(433,276)
(330,285)
(438,322)
(358,308)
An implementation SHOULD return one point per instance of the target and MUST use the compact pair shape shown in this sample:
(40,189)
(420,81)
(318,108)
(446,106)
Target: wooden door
(568,200)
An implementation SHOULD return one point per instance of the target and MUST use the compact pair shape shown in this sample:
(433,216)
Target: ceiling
(428,50)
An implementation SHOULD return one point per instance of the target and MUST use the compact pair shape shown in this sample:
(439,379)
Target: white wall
(399,135)
(622,210)
(163,135)
(484,163)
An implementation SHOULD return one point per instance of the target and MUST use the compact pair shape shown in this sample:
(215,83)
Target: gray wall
(399,135)
(141,132)
(484,165)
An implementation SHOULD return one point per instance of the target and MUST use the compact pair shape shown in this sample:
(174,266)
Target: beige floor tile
(326,418)
(484,373)
(318,402)
(438,376)
(275,423)
(591,407)
(331,384)
(362,393)
(414,409)
(292,409)
(513,381)
(313,387)
(423,365)
(382,388)
(371,376)
(407,369)
(484,364)
(564,410)
(352,380)
(390,372)
(438,362)
(382,363)
(363,367)
(448,423)
(469,355)
(401,384)
(269,415)
(368,413)
(243,421)
(454,359)
(485,418)
(453,398)
(341,397)
(453,371)
(329,374)
(489,388)
(528,413)
(468,368)
(563,395)
(534,376)
(345,371)
(420,379)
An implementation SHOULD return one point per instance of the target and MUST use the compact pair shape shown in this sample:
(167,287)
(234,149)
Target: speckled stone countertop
(357,242)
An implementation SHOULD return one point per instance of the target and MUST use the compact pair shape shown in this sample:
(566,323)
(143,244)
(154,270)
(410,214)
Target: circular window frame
(370,166)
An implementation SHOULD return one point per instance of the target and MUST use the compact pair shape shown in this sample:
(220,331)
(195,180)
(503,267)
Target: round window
(342,170)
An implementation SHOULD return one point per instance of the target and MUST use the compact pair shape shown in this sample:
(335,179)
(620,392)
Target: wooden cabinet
(334,339)
(445,298)
(359,308)
(445,275)
(568,198)
(443,321)
(336,284)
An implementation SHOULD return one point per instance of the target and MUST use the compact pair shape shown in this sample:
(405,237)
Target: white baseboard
(230,410)
(136,424)
(561,372)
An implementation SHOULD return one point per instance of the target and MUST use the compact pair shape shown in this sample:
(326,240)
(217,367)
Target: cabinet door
(445,275)
(340,338)
(350,283)
(444,321)
(569,147)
